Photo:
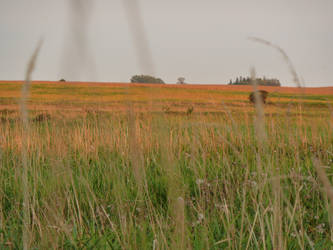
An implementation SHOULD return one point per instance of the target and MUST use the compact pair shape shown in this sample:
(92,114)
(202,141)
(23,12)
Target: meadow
(130,166)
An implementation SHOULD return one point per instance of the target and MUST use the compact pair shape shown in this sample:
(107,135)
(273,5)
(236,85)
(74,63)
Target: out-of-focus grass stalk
(25,138)
(259,125)
(290,66)
(263,157)
(260,116)
(175,193)
(135,153)
(141,44)
(276,181)
(138,32)
(285,56)
(146,65)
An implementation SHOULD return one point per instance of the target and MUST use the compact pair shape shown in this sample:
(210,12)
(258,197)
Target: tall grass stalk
(263,158)
(25,150)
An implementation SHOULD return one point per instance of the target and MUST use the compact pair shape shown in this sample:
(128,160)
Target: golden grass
(114,97)
(247,88)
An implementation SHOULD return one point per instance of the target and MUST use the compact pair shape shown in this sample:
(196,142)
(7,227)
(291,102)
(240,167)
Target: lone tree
(62,80)
(262,94)
(146,79)
(181,80)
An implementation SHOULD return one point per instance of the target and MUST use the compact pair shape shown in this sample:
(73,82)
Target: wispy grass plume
(77,60)
(285,56)
(139,36)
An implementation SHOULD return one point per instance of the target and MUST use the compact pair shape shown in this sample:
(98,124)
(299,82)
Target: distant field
(115,96)
(130,166)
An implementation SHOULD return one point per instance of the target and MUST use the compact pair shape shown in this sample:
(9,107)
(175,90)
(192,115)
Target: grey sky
(203,40)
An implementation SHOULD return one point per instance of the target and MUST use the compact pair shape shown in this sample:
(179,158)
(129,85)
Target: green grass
(108,181)
(303,97)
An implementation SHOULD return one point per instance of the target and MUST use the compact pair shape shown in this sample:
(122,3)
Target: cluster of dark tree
(260,81)
(146,79)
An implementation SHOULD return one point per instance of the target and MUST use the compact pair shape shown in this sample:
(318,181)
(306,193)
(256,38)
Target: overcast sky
(205,41)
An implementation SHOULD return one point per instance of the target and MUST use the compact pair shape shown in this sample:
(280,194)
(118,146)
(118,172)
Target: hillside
(115,96)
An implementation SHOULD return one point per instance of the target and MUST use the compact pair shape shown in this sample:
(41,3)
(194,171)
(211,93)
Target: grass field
(121,166)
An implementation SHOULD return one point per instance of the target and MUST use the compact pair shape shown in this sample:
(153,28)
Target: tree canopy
(146,79)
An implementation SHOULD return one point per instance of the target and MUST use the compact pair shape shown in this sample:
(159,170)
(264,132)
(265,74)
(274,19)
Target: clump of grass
(42,118)
(189,110)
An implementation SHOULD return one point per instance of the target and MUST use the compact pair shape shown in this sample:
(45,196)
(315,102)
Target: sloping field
(284,90)
(174,98)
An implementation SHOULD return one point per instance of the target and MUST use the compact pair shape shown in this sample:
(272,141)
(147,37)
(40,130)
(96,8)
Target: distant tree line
(146,79)
(260,81)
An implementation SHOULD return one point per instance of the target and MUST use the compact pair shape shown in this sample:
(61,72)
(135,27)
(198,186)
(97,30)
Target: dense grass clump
(160,180)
